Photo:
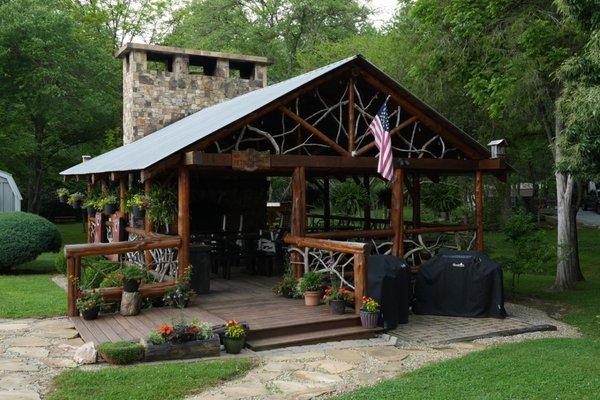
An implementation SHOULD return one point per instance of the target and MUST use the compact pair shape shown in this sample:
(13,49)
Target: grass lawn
(536,369)
(148,382)
(29,291)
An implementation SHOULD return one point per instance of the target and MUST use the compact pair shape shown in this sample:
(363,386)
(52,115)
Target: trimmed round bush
(24,236)
(121,352)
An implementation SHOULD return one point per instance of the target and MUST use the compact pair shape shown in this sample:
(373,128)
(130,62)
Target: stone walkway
(32,352)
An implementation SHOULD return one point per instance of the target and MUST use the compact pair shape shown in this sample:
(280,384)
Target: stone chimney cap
(152,48)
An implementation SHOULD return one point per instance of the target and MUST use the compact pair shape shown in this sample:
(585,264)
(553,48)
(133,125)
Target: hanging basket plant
(63,194)
(76,199)
(139,204)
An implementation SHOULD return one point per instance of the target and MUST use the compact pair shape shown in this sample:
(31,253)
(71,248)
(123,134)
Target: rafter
(393,132)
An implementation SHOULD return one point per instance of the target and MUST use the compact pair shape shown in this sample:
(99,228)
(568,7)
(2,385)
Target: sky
(384,10)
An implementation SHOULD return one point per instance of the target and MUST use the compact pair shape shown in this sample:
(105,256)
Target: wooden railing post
(73,274)
(183,219)
(298,220)
(360,280)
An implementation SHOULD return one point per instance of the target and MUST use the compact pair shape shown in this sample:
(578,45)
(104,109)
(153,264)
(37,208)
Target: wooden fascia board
(168,163)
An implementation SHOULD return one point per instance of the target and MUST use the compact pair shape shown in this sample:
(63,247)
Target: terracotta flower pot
(369,319)
(312,298)
(90,314)
(233,345)
(337,307)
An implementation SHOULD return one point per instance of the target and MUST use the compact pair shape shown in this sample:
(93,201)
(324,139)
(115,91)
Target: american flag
(380,128)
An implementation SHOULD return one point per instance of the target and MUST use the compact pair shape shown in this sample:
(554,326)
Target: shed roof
(177,136)
(11,182)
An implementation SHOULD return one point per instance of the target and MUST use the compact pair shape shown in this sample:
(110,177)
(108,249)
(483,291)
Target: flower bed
(181,341)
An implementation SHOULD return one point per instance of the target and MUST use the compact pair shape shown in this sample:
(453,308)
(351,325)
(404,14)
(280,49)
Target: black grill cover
(388,283)
(461,284)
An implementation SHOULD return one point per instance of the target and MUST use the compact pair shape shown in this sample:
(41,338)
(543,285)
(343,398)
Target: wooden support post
(183,218)
(397,218)
(73,273)
(351,127)
(103,185)
(298,219)
(148,259)
(122,194)
(367,206)
(416,200)
(326,205)
(479,209)
(360,280)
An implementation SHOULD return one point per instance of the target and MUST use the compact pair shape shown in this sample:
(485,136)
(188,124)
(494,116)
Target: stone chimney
(164,84)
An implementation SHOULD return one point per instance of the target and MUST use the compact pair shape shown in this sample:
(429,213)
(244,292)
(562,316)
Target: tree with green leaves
(279,29)
(59,91)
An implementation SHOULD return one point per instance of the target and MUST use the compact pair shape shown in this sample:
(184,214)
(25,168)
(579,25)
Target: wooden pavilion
(311,127)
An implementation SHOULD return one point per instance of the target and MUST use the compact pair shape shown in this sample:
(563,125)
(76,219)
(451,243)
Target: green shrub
(95,271)
(60,263)
(115,278)
(23,237)
(121,352)
(349,198)
(311,282)
(442,198)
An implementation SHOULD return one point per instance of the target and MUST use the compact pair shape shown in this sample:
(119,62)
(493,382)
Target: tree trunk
(568,272)
(34,187)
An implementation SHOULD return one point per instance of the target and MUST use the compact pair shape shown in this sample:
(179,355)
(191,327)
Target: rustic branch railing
(358,251)
(75,252)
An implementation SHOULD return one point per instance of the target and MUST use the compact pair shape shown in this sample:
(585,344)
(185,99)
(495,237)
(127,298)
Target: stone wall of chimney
(153,99)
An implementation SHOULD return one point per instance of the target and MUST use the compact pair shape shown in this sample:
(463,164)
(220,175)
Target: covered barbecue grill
(461,284)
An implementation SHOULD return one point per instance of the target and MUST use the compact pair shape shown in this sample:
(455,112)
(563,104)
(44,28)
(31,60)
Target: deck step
(326,323)
(319,336)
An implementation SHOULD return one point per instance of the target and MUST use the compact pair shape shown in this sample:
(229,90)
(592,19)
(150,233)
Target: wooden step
(319,336)
(326,323)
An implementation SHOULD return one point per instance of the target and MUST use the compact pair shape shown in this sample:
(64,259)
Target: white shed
(10,197)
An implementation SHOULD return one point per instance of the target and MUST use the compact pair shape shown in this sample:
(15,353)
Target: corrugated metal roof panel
(167,141)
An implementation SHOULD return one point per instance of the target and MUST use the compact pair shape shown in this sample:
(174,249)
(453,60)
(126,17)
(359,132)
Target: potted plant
(180,296)
(288,287)
(138,205)
(337,299)
(109,204)
(89,303)
(76,199)
(63,194)
(311,287)
(180,341)
(234,338)
(369,312)
(132,278)
(90,204)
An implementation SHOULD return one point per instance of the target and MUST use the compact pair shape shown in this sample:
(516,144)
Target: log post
(298,219)
(479,209)
(183,218)
(360,280)
(397,218)
(326,205)
(351,127)
(73,273)
(122,194)
(416,200)
(148,228)
(90,187)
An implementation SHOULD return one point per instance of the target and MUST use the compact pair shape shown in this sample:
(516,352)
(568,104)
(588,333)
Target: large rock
(86,354)
(131,303)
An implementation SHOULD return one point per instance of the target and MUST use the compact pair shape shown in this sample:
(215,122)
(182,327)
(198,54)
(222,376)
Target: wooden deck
(274,321)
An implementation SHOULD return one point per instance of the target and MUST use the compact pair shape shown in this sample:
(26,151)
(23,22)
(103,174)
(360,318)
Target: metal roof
(175,137)
(169,140)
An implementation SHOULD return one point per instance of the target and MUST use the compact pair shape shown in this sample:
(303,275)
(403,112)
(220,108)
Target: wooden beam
(328,245)
(376,233)
(168,163)
(183,219)
(435,126)
(393,132)
(440,228)
(479,209)
(101,249)
(397,217)
(298,220)
(351,122)
(313,130)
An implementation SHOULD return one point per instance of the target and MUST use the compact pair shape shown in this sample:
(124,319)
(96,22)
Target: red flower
(231,322)
(165,329)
